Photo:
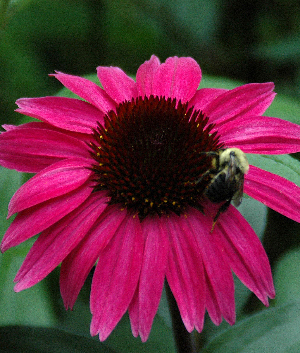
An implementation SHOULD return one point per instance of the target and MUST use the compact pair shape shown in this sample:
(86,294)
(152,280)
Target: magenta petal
(65,113)
(261,134)
(219,277)
(34,146)
(185,273)
(37,218)
(87,90)
(56,242)
(55,180)
(77,265)
(177,78)
(117,84)
(8,127)
(212,302)
(245,254)
(152,274)
(274,191)
(247,100)
(134,313)
(116,277)
(204,96)
(145,75)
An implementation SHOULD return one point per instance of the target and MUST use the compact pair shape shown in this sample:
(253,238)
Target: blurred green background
(247,41)
(251,41)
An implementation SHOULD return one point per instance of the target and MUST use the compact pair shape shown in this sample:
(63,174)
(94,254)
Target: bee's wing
(231,170)
(238,196)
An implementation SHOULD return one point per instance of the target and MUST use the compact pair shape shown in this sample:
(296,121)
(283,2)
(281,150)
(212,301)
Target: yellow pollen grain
(151,204)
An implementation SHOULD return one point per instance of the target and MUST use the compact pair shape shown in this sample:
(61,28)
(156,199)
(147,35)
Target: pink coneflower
(119,185)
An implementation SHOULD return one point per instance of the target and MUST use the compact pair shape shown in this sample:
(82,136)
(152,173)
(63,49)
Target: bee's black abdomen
(221,189)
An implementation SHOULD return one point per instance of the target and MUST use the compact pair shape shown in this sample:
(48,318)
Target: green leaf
(287,278)
(11,180)
(121,339)
(208,81)
(32,306)
(160,339)
(283,165)
(286,108)
(272,330)
(163,310)
(46,340)
(255,213)
(241,295)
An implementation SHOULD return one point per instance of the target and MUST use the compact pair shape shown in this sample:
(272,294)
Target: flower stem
(183,339)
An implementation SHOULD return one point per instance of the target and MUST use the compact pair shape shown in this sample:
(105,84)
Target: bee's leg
(222,209)
(203,176)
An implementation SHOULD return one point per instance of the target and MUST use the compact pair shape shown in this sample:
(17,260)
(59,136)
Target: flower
(117,186)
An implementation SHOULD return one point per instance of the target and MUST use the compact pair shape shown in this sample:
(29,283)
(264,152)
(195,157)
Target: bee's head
(236,157)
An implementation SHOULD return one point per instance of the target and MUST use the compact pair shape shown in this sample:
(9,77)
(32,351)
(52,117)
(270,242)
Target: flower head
(121,183)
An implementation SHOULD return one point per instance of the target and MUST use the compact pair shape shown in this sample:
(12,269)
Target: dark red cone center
(150,153)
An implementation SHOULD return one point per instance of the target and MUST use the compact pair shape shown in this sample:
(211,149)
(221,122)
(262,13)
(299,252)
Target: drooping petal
(244,253)
(185,273)
(117,84)
(204,96)
(217,270)
(34,146)
(65,113)
(152,276)
(37,218)
(134,313)
(145,76)
(116,277)
(57,241)
(87,90)
(212,302)
(56,180)
(247,100)
(261,134)
(77,265)
(274,191)
(198,274)
(177,78)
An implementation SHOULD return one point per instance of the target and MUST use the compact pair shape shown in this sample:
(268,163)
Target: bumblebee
(227,178)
